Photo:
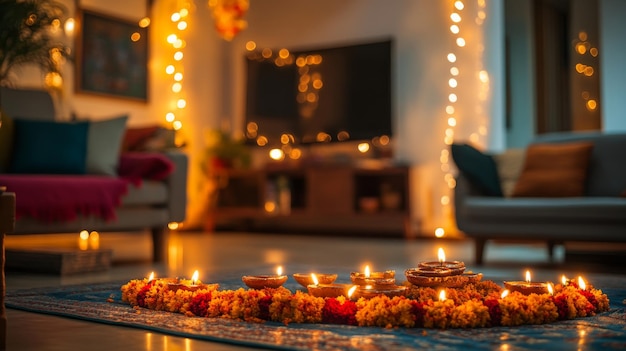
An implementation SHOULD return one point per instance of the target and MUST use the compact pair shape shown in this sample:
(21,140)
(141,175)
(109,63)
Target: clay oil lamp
(265,280)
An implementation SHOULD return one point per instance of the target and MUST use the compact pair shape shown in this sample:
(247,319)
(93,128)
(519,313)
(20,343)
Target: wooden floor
(213,253)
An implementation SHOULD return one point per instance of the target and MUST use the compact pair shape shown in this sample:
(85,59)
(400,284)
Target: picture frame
(111,57)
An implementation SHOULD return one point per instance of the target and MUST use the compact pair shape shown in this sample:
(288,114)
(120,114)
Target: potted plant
(27,36)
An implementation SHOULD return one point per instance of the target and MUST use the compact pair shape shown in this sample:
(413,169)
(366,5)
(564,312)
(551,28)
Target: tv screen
(319,95)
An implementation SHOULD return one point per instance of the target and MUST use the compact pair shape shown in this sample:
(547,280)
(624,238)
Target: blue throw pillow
(479,168)
(48,147)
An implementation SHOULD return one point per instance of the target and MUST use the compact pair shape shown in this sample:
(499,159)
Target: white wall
(612,59)
(420,29)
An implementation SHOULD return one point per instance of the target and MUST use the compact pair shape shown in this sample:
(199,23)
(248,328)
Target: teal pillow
(104,142)
(48,147)
(479,168)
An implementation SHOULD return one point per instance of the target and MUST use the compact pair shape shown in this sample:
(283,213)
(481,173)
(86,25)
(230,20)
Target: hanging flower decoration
(228,16)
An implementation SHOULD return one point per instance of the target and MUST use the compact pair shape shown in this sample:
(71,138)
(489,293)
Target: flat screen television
(319,95)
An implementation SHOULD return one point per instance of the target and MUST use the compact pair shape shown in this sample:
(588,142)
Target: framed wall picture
(111,57)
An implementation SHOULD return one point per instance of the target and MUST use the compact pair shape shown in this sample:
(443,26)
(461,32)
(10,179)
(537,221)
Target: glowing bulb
(452,98)
(460,42)
(451,57)
(173,225)
(277,154)
(454,71)
(363,147)
(170,117)
(459,5)
(250,46)
(177,125)
(440,232)
(144,22)
(177,87)
(70,25)
(182,25)
(455,17)
(452,83)
(178,77)
(181,103)
(84,234)
(175,17)
(171,38)
(170,69)
(178,55)
(454,29)
(452,121)
(135,37)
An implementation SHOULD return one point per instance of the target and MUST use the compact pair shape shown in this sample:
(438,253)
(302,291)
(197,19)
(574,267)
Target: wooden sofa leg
(160,242)
(479,247)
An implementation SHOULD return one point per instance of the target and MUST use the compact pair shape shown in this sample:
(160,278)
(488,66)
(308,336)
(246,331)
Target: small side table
(7,224)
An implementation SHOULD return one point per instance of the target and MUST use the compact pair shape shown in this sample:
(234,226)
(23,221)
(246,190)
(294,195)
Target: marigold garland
(475,305)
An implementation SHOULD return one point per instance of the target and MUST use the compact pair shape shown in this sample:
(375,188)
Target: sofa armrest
(177,186)
(463,189)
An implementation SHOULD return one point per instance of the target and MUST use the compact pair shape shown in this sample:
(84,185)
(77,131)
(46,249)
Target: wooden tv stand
(336,198)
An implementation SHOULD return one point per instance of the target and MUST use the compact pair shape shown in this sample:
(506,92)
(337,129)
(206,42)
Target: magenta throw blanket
(136,166)
(60,198)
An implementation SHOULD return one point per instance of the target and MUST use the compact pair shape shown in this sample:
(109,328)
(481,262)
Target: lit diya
(192,284)
(527,287)
(329,290)
(369,291)
(450,274)
(373,278)
(305,279)
(265,281)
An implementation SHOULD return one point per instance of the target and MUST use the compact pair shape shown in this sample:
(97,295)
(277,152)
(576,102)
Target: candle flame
(441,255)
(550,289)
(581,283)
(527,276)
(368,287)
(151,277)
(351,291)
(367,271)
(194,277)
(279,270)
(442,295)
(505,293)
(314,279)
(563,279)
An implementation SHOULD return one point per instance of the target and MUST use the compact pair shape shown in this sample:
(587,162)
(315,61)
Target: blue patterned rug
(102,303)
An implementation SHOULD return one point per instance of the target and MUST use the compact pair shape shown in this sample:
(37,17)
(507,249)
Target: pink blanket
(55,198)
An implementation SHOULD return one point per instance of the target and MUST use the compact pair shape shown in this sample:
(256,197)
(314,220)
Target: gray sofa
(150,206)
(598,216)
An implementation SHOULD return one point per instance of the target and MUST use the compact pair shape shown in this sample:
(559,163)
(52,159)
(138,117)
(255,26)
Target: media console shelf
(316,198)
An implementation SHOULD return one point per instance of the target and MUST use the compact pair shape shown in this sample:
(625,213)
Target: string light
(452,116)
(175,69)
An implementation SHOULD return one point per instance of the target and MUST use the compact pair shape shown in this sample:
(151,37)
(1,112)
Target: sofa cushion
(478,167)
(509,164)
(49,147)
(134,138)
(104,143)
(6,141)
(554,170)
